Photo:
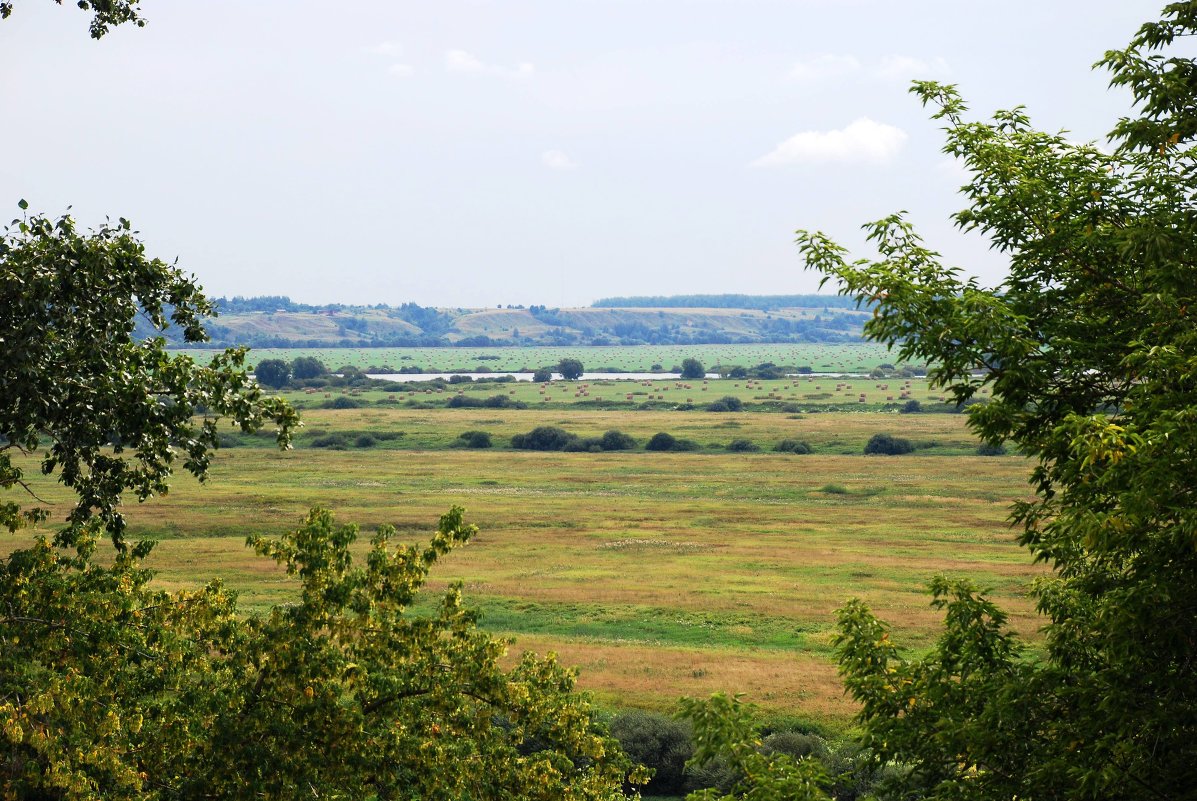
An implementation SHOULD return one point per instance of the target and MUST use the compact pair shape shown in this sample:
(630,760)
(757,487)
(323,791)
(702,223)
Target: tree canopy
(1089,351)
(107,412)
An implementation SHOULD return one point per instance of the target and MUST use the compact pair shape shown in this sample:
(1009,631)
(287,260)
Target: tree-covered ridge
(277,321)
(727,301)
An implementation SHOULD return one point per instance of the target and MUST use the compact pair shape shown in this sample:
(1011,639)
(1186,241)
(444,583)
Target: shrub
(911,407)
(543,438)
(617,441)
(796,745)
(728,403)
(658,742)
(475,439)
(742,446)
(888,445)
(542,375)
(460,379)
(338,441)
(343,402)
(493,402)
(667,442)
(365,441)
(986,449)
(692,368)
(792,446)
(834,489)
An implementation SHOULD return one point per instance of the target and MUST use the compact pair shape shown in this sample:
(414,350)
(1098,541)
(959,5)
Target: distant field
(793,395)
(657,574)
(848,358)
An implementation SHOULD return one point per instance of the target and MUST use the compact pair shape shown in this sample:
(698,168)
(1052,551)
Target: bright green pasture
(846,358)
(658,574)
(798,394)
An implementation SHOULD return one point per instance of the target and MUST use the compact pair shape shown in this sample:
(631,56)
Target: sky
(483,152)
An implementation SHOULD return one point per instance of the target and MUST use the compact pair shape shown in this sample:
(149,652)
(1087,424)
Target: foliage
(475,439)
(570,369)
(659,743)
(989,449)
(728,403)
(888,444)
(112,690)
(741,445)
(343,402)
(692,369)
(911,406)
(543,438)
(107,412)
(1103,398)
(106,14)
(542,375)
(273,373)
(723,727)
(793,446)
(663,441)
(614,440)
(304,367)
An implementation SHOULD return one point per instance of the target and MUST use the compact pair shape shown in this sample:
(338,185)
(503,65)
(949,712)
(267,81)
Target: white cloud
(907,68)
(825,65)
(557,160)
(461,61)
(862,141)
(890,68)
(401,70)
(390,49)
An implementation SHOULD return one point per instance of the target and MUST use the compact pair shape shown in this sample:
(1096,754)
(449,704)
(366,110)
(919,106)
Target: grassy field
(657,574)
(848,358)
(799,394)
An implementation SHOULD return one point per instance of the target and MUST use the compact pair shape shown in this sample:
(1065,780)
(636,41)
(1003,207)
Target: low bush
(474,439)
(617,441)
(834,489)
(728,403)
(543,438)
(658,742)
(792,446)
(364,441)
(492,402)
(986,449)
(343,402)
(743,446)
(667,442)
(888,445)
(911,407)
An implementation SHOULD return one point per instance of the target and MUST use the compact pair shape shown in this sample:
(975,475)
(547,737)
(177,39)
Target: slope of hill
(277,322)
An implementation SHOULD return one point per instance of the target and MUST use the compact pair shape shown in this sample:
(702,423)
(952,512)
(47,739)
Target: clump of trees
(552,438)
(888,445)
(474,439)
(667,442)
(570,369)
(692,369)
(728,403)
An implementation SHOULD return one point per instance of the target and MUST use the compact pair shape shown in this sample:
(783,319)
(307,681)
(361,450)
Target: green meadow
(658,574)
(822,357)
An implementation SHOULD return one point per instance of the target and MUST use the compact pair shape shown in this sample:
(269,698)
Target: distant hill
(277,321)
(761,302)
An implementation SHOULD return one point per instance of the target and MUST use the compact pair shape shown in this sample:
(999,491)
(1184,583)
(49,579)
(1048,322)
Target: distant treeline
(757,302)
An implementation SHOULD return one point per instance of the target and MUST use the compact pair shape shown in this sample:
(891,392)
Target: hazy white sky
(477,152)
